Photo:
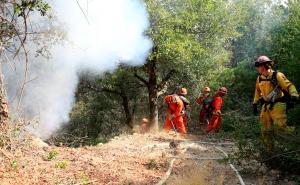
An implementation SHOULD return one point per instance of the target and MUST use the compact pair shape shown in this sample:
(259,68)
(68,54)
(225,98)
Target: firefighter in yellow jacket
(271,87)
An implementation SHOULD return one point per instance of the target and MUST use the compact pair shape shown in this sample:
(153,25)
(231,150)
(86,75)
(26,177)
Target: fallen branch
(5,154)
(107,163)
(200,158)
(278,155)
(89,182)
(211,143)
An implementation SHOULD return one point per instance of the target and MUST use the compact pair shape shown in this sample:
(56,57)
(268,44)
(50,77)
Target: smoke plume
(99,34)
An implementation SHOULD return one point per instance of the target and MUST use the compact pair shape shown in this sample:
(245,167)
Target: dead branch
(89,182)
(5,154)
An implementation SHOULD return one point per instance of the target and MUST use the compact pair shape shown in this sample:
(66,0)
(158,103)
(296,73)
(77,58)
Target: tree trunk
(3,103)
(153,94)
(128,115)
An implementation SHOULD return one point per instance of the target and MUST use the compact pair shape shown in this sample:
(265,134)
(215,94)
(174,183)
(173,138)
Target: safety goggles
(258,64)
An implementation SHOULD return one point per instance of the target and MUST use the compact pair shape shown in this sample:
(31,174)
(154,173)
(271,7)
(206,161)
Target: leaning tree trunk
(155,89)
(3,104)
(153,95)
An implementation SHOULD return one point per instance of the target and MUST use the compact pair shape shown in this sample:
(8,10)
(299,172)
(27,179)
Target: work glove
(291,104)
(255,110)
(217,113)
(188,107)
(172,116)
(294,99)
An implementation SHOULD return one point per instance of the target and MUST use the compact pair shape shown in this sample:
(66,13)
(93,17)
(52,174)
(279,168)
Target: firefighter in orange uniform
(186,108)
(144,128)
(206,101)
(216,119)
(174,119)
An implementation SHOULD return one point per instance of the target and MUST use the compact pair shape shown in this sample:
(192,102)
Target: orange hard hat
(206,90)
(223,90)
(183,91)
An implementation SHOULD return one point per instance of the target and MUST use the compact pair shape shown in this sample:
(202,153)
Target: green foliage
(52,155)
(259,18)
(105,106)
(285,39)
(14,164)
(190,32)
(8,29)
(62,164)
(24,7)
(16,16)
(273,32)
(286,43)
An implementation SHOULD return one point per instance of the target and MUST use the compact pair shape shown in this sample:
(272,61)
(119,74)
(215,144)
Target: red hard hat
(263,60)
(223,90)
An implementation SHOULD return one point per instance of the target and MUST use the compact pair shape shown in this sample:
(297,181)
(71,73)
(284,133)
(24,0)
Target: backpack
(208,105)
(173,98)
(287,97)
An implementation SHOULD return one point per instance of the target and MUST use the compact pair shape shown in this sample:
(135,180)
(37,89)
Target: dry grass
(119,162)
(128,159)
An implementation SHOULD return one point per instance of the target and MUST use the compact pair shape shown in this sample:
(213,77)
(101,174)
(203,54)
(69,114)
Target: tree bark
(3,103)
(128,114)
(153,94)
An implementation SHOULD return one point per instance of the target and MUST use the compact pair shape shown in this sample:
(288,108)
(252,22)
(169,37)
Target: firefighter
(272,88)
(186,105)
(206,100)
(3,112)
(216,119)
(174,119)
(144,128)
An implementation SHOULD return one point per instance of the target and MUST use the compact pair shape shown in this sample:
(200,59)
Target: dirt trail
(129,159)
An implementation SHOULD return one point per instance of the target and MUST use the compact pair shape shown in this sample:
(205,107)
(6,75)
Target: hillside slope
(128,159)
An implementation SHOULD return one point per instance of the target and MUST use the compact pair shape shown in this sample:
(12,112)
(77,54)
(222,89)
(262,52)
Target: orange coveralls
(173,114)
(215,121)
(205,106)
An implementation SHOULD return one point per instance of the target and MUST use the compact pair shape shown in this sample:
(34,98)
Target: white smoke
(100,33)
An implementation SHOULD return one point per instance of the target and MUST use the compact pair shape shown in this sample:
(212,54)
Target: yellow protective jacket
(264,86)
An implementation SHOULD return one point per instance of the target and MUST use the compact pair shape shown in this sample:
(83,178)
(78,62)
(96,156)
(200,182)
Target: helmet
(206,90)
(263,60)
(183,91)
(145,120)
(222,90)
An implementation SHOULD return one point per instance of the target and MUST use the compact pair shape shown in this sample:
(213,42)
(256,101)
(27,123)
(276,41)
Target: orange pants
(185,120)
(214,124)
(177,123)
